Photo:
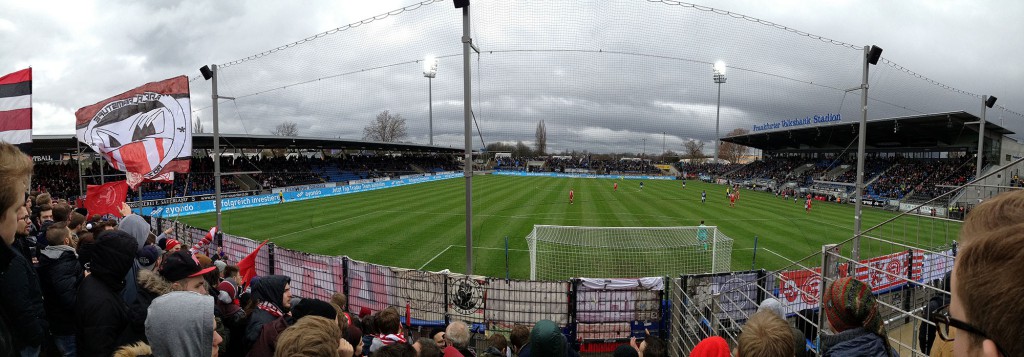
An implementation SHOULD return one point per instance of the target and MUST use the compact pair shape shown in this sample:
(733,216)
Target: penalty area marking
(462,246)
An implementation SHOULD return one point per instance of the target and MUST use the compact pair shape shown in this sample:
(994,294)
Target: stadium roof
(60,144)
(926,132)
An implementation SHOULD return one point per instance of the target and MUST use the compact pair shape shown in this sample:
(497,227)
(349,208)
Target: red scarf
(270,308)
(390,339)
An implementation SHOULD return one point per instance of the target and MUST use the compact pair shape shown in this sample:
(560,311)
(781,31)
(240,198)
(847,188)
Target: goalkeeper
(702,234)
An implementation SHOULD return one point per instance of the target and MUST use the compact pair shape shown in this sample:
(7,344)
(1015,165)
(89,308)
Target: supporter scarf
(390,339)
(270,308)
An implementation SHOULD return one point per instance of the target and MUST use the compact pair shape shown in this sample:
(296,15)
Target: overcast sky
(655,85)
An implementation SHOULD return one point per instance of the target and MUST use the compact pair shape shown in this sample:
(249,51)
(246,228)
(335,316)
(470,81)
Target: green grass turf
(423,225)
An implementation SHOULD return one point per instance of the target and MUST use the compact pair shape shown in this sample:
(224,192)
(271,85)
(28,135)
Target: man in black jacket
(60,275)
(22,300)
(101,315)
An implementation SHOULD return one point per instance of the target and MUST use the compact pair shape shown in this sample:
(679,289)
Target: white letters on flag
(145,132)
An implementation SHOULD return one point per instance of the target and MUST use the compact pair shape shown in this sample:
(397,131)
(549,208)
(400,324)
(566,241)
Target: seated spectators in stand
(697,169)
(852,312)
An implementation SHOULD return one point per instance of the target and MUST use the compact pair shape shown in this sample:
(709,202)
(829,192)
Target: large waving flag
(247,266)
(16,109)
(145,132)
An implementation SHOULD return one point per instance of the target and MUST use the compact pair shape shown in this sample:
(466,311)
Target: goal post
(562,252)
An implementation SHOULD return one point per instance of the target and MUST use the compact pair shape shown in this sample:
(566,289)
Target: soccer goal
(562,252)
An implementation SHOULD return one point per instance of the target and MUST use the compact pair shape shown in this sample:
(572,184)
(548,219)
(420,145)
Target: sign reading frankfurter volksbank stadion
(816,119)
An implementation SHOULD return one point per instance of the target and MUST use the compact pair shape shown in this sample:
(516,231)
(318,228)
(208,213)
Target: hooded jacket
(137,227)
(856,342)
(180,323)
(59,277)
(150,286)
(101,315)
(270,289)
(22,300)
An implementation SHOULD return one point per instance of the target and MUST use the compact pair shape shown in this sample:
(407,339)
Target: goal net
(562,252)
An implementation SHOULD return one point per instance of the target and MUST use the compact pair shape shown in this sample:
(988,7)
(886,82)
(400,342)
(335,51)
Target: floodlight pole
(981,136)
(861,149)
(719,79)
(430,97)
(468,133)
(216,145)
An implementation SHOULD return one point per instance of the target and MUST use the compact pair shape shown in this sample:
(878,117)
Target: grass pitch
(422,226)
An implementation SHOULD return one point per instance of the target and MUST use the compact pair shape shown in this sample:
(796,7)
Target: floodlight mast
(430,71)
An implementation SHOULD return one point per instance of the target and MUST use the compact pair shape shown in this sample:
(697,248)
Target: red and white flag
(145,132)
(16,109)
(106,198)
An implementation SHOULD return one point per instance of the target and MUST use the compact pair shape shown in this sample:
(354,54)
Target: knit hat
(773,305)
(364,312)
(849,304)
(220,264)
(313,307)
(353,334)
(713,346)
(171,243)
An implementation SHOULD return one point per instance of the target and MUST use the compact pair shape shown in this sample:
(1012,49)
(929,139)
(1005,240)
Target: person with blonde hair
(766,335)
(312,336)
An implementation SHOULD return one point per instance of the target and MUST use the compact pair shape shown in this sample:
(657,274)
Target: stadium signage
(816,119)
(572,175)
(172,200)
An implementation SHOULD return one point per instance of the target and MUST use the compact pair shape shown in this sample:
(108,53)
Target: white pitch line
(324,225)
(435,257)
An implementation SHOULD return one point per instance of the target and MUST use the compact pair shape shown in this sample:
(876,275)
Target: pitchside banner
(606,308)
(801,289)
(511,302)
(312,275)
(145,132)
(572,175)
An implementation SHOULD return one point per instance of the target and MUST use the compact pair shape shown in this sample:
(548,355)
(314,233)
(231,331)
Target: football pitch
(422,226)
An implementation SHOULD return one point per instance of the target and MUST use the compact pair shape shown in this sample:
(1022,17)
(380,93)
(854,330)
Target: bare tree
(385,128)
(542,138)
(521,150)
(197,126)
(731,151)
(693,149)
(286,129)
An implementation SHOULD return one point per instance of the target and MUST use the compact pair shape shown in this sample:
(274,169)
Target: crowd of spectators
(922,176)
(707,169)
(587,164)
(769,168)
(60,178)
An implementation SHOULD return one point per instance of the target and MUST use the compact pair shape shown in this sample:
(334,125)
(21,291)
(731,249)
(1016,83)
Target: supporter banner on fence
(466,299)
(889,271)
(802,288)
(738,295)
(422,292)
(368,286)
(619,300)
(936,265)
(573,175)
(511,302)
(312,275)
(236,248)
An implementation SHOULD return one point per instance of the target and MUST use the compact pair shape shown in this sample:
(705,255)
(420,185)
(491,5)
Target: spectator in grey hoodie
(179,323)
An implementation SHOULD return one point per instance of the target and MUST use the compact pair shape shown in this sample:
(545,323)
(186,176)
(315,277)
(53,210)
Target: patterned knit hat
(849,304)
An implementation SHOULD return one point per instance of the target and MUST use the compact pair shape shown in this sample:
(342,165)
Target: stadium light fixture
(719,76)
(987,101)
(430,71)
(871,56)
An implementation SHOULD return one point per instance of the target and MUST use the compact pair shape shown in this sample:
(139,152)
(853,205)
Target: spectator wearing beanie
(101,315)
(546,339)
(271,298)
(713,346)
(267,342)
(852,311)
